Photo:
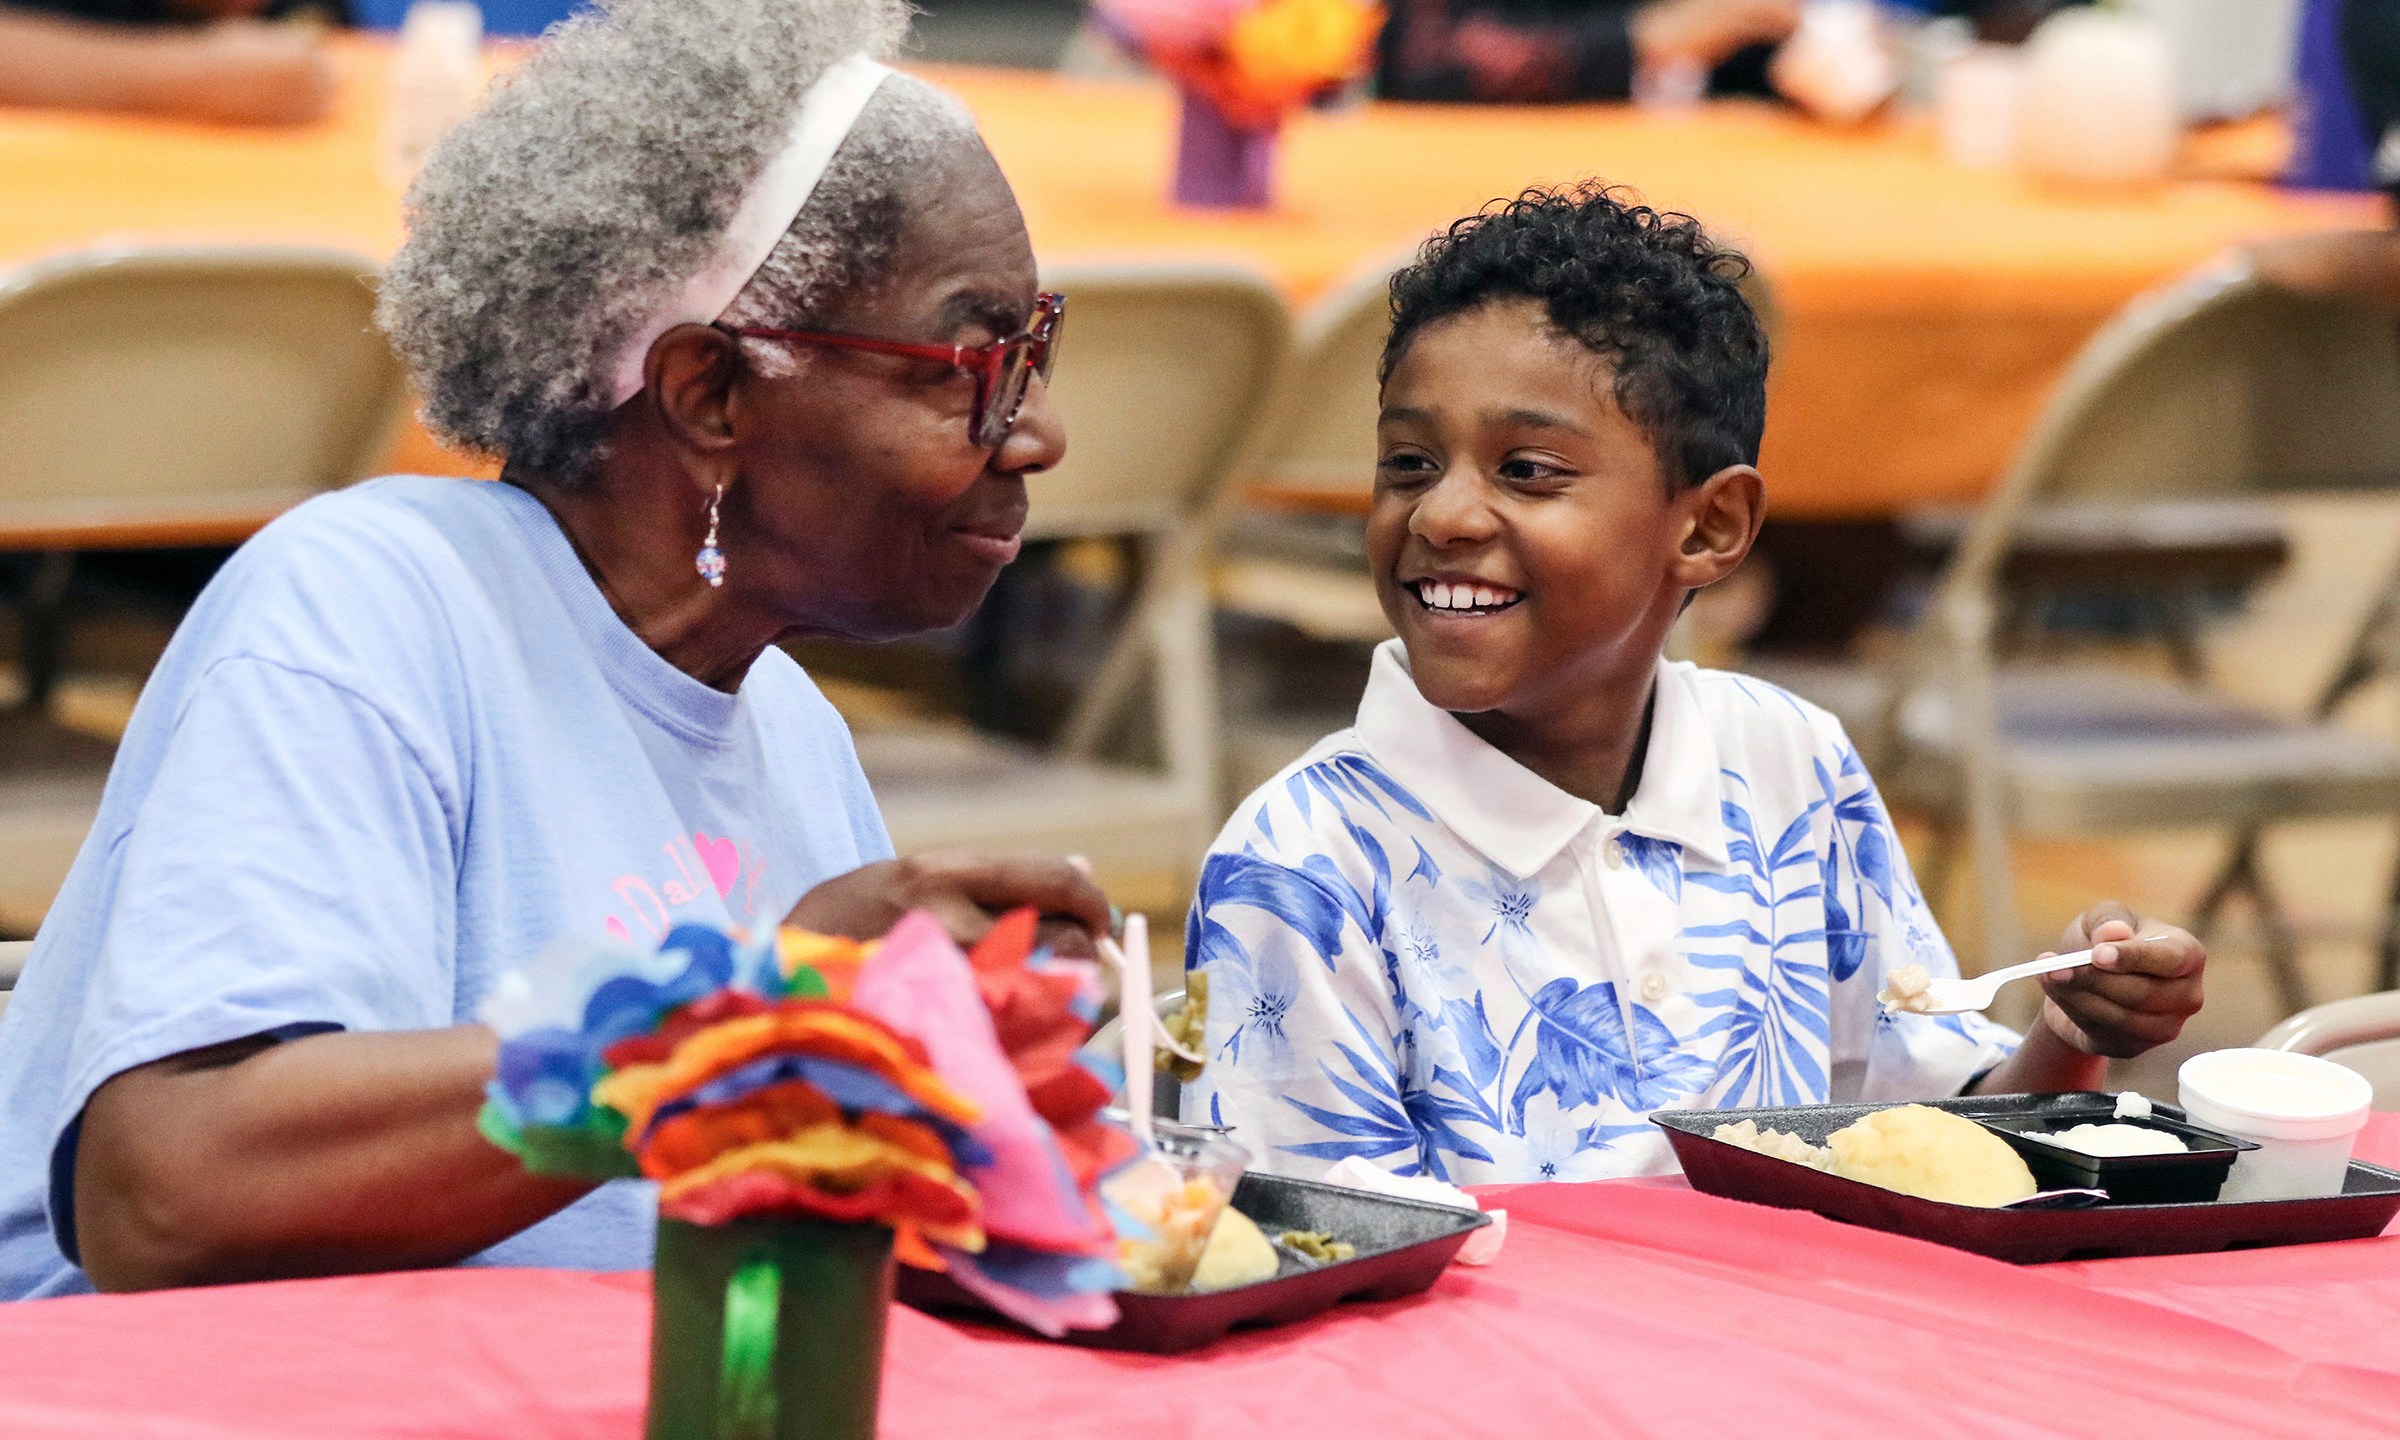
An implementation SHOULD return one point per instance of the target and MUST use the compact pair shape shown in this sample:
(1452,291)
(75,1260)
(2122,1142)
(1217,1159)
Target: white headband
(820,124)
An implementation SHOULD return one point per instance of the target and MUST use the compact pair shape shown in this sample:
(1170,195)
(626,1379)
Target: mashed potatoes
(1182,1218)
(1908,988)
(2110,1140)
(1776,1143)
(1238,1253)
(1918,1150)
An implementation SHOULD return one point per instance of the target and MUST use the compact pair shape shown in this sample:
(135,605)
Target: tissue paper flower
(1255,61)
(897,1082)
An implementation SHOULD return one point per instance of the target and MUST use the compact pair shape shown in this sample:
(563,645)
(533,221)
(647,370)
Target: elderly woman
(754,323)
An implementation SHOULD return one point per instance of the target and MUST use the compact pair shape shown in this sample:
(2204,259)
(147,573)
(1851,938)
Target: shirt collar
(1514,816)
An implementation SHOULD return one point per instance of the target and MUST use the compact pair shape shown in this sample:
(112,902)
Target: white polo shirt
(1421,953)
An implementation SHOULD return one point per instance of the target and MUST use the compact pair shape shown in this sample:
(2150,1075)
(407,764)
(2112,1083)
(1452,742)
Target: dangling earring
(710,562)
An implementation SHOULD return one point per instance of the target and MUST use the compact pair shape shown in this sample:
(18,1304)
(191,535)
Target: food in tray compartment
(2116,1139)
(1187,1027)
(1907,988)
(1179,1219)
(1933,1154)
(2133,1105)
(1748,1135)
(1238,1253)
(1317,1245)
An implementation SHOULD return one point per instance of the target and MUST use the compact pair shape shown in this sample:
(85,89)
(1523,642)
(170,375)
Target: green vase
(768,1330)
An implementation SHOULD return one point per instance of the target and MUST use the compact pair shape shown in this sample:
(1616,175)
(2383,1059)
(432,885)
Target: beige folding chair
(2218,388)
(160,397)
(2362,1032)
(1163,375)
(153,397)
(1293,550)
(1322,454)
(185,396)
(12,964)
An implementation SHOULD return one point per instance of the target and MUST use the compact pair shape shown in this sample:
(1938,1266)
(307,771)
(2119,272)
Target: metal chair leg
(2282,945)
(2387,957)
(45,621)
(2240,861)
(2243,874)
(1941,863)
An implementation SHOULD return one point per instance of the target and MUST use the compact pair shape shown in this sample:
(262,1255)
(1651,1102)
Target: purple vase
(1219,165)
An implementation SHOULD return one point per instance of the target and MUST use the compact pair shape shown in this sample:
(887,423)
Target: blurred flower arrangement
(1243,66)
(1256,61)
(898,1083)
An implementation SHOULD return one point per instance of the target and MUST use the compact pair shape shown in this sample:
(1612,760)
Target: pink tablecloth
(1630,1309)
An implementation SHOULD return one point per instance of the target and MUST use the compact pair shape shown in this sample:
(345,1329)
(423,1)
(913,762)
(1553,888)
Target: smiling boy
(1551,882)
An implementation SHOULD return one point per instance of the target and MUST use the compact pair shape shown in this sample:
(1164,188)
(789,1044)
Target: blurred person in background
(1548,51)
(2354,262)
(254,62)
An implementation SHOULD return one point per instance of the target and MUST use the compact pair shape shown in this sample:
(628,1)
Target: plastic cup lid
(2277,1087)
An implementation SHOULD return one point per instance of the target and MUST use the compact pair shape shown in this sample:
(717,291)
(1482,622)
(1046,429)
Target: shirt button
(1654,987)
(1614,853)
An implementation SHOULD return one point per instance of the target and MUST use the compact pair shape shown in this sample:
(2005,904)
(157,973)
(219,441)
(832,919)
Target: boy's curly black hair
(1646,290)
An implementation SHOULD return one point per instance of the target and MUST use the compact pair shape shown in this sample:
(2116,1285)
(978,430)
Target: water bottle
(437,75)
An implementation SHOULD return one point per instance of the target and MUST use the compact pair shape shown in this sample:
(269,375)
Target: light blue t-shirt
(401,743)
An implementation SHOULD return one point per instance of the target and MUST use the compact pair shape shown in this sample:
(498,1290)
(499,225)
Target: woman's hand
(2136,993)
(966,891)
(248,72)
(1708,32)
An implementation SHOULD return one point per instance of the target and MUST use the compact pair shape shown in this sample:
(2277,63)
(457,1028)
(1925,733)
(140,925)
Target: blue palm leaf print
(1477,1045)
(1779,1001)
(1294,898)
(1583,1052)
(1845,943)
(1346,777)
(1872,844)
(1437,1119)
(1379,1126)
(1660,861)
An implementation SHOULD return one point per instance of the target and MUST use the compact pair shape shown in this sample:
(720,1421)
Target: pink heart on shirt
(722,858)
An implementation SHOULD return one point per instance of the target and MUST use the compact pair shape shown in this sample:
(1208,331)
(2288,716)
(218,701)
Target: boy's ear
(1721,516)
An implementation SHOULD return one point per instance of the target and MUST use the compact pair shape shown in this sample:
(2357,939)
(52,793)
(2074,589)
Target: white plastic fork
(1141,1027)
(1956,997)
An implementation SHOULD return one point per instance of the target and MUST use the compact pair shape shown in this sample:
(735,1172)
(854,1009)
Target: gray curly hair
(591,183)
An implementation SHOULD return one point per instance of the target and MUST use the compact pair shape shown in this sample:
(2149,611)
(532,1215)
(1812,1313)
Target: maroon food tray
(1402,1248)
(2370,1196)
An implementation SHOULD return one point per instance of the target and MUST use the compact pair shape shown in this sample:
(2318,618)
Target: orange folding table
(1923,310)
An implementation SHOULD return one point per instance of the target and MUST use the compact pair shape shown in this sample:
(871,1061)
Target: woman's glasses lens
(1021,358)
(1007,397)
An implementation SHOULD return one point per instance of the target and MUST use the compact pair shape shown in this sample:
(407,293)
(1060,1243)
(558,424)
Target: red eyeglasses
(1003,369)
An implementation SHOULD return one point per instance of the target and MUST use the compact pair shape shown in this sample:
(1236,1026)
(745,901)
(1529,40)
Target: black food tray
(2369,1199)
(1402,1247)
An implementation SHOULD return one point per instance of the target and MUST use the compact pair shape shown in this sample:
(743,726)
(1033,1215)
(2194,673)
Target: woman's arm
(345,1152)
(330,1154)
(1498,52)
(241,72)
